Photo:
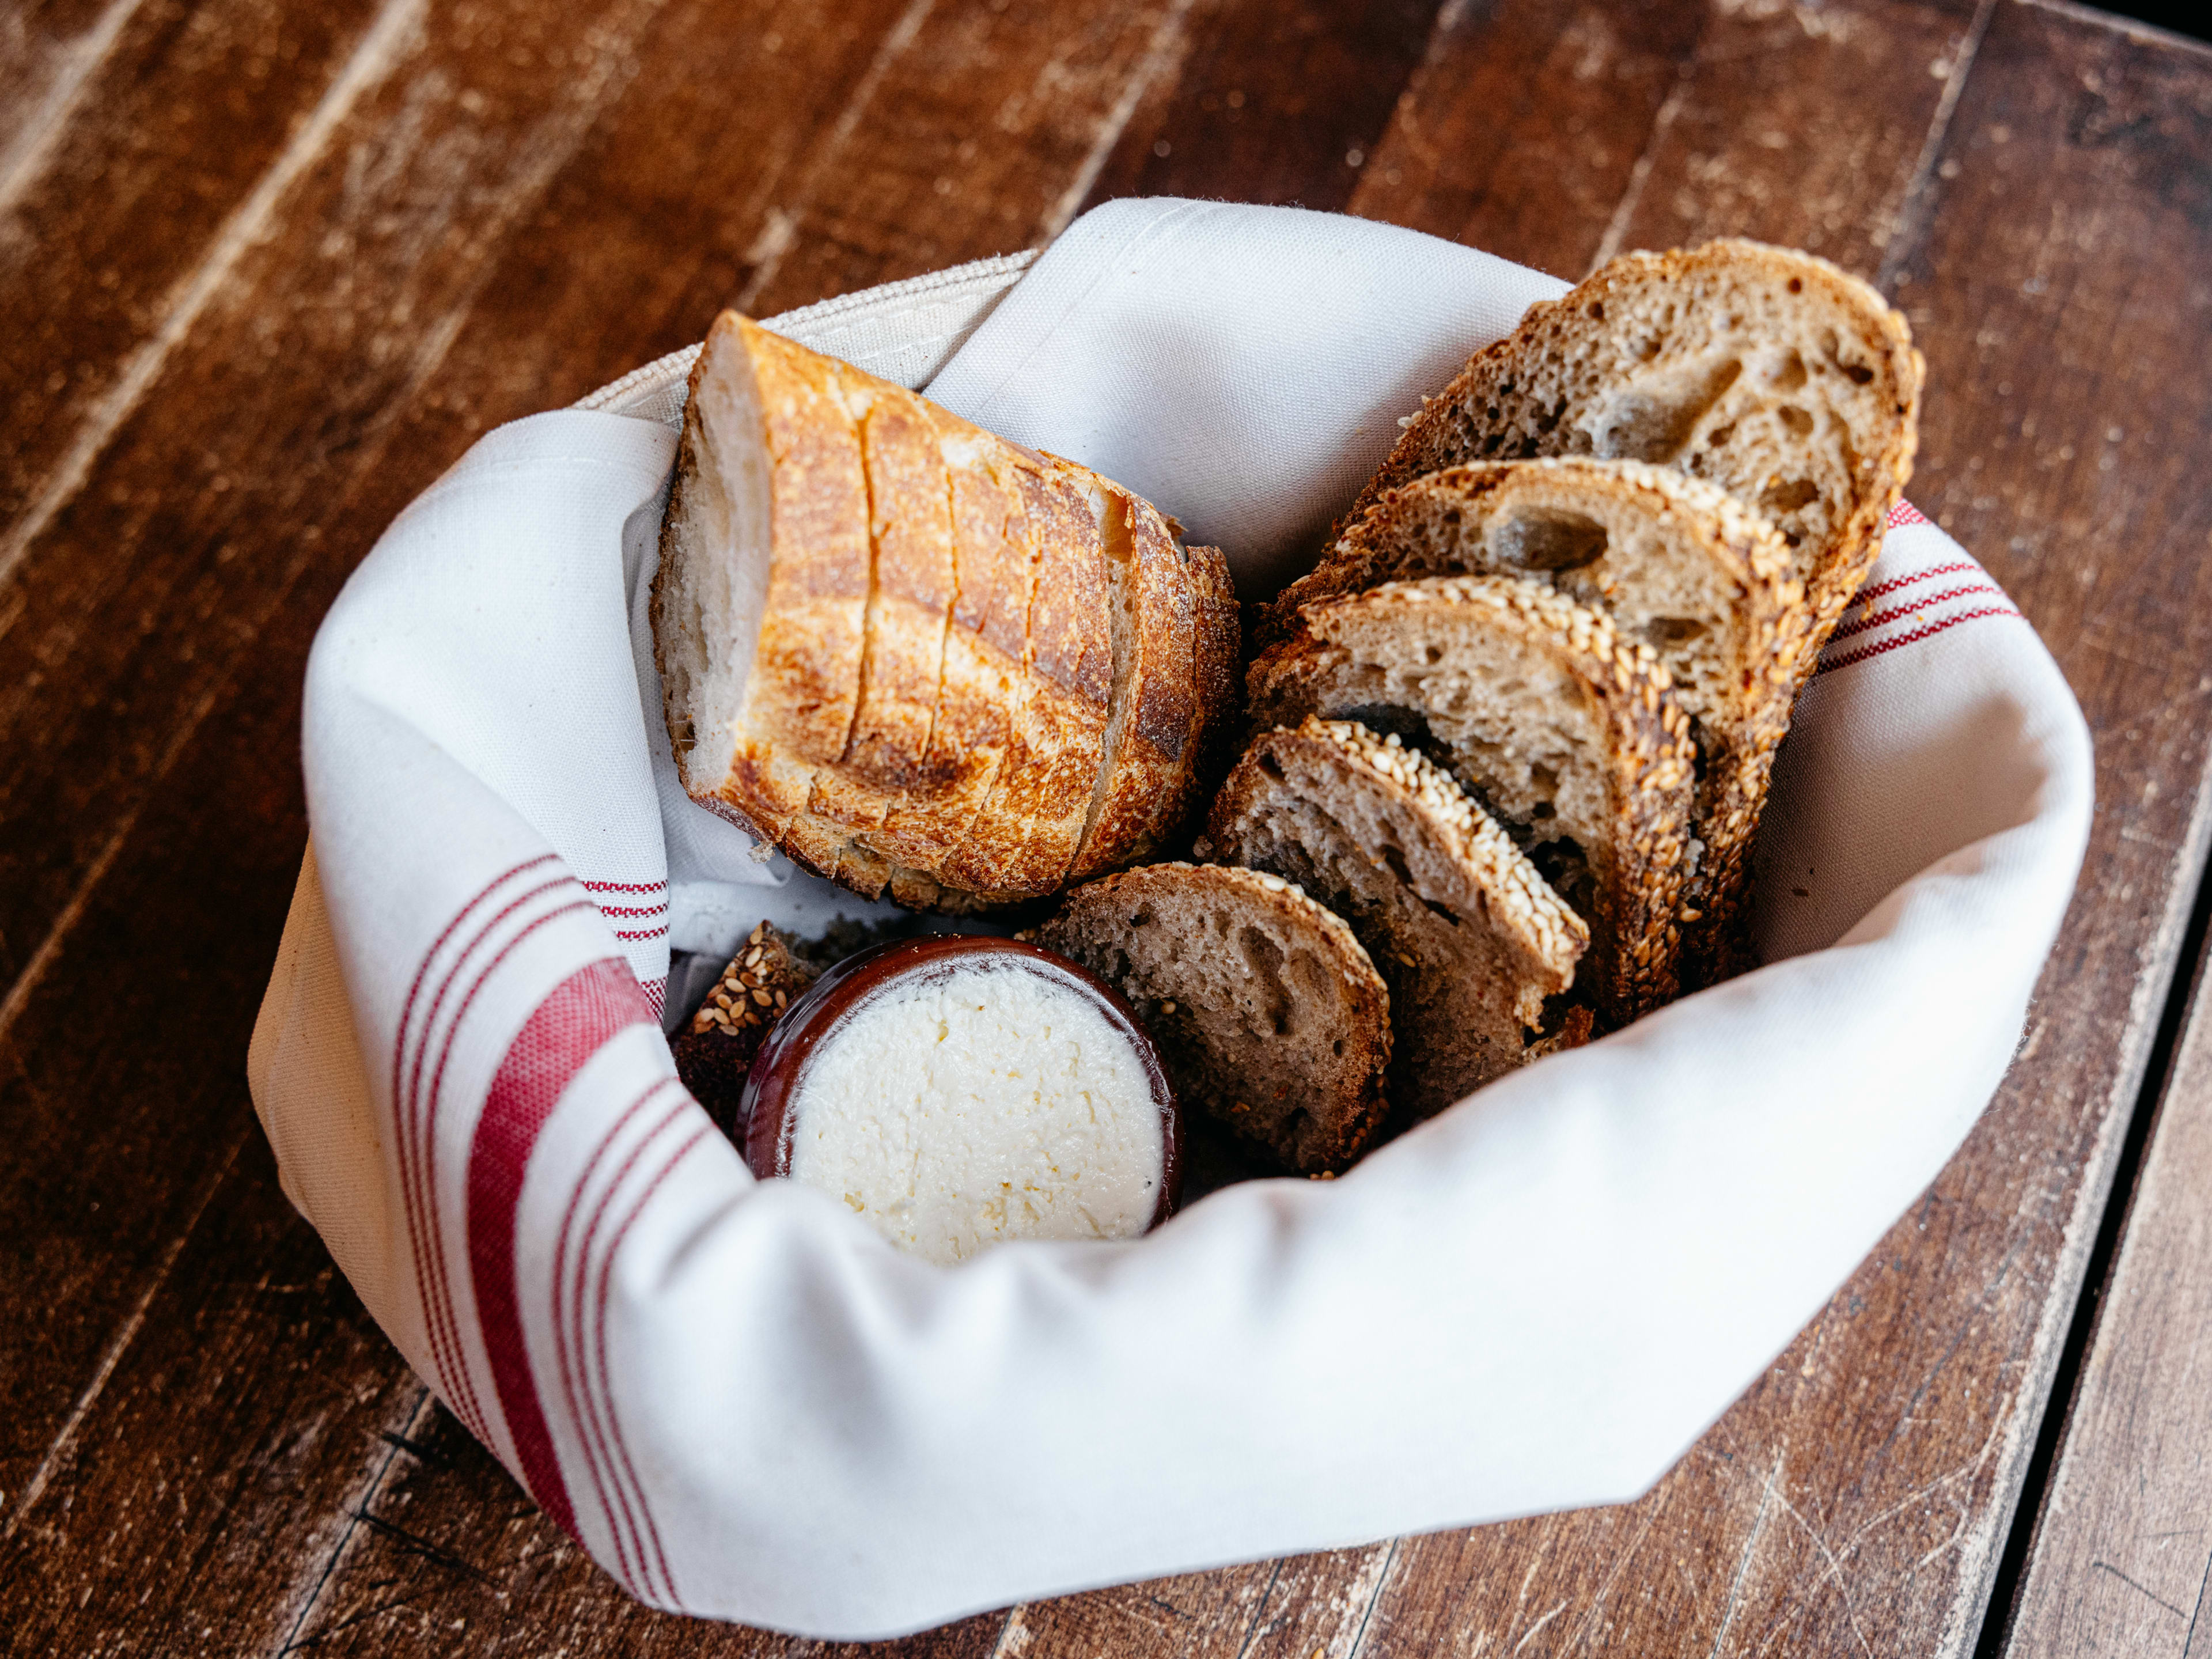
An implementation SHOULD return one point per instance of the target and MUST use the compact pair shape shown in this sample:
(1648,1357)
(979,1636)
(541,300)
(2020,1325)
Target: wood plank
(1802,126)
(138,605)
(1285,100)
(1001,115)
(2122,1559)
(2122,1551)
(1855,1499)
(257,1397)
(49,49)
(1523,128)
(118,221)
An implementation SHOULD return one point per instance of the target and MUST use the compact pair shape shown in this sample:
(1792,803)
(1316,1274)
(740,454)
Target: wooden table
(267,266)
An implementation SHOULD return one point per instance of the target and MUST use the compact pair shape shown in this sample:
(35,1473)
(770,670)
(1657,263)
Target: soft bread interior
(1769,374)
(1518,724)
(1649,547)
(1467,935)
(1112,514)
(715,567)
(1269,1014)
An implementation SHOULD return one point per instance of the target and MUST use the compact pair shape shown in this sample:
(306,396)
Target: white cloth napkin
(744,1403)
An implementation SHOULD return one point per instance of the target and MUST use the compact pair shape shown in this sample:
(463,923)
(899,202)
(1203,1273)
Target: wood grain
(993,120)
(262,1396)
(114,230)
(2121,1561)
(1523,128)
(1285,100)
(204,1443)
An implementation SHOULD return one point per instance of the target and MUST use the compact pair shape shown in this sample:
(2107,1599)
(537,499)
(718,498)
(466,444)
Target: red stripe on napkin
(1881,647)
(587,1009)
(594,1417)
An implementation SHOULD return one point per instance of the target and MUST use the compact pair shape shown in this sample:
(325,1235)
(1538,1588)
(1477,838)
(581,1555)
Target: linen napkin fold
(740,1401)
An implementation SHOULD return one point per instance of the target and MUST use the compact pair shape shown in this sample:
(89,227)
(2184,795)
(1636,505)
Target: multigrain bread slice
(1772,374)
(715,1048)
(1469,938)
(1676,562)
(1268,1013)
(1562,729)
(916,657)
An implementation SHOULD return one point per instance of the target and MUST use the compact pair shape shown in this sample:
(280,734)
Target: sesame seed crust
(716,1045)
(1519,895)
(1649,762)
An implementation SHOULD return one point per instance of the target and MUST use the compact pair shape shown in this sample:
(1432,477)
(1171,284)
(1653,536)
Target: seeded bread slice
(1675,562)
(1772,374)
(1563,730)
(1468,937)
(716,1048)
(1269,1014)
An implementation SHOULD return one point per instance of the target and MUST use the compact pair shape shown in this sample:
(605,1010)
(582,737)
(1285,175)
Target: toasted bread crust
(1153,651)
(937,671)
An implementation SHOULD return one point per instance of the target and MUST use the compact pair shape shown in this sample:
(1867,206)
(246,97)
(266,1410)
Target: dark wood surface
(267,267)
(2122,1562)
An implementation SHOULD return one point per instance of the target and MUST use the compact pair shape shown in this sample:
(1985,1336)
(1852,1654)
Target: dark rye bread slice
(1269,1014)
(1772,374)
(1563,730)
(1676,562)
(1470,938)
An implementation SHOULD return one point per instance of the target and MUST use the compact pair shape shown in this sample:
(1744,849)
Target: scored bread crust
(1307,1089)
(941,703)
(1154,666)
(1370,655)
(1217,678)
(1626,538)
(1467,933)
(1704,360)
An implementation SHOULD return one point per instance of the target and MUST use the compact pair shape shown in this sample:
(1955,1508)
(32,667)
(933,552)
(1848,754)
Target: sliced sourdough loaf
(1677,563)
(1772,374)
(1269,1014)
(1563,730)
(1470,938)
(917,658)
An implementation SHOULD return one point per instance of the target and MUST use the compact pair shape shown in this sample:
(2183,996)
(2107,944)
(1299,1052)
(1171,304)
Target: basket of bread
(1254,883)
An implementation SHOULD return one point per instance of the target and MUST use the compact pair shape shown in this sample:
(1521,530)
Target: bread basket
(746,1405)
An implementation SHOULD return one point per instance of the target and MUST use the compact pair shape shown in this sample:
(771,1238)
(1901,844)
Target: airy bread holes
(1263,960)
(1541,539)
(1787,495)
(1799,422)
(1673,630)
(1654,422)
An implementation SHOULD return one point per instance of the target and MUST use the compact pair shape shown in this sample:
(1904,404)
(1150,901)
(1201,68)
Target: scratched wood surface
(2122,1562)
(267,268)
